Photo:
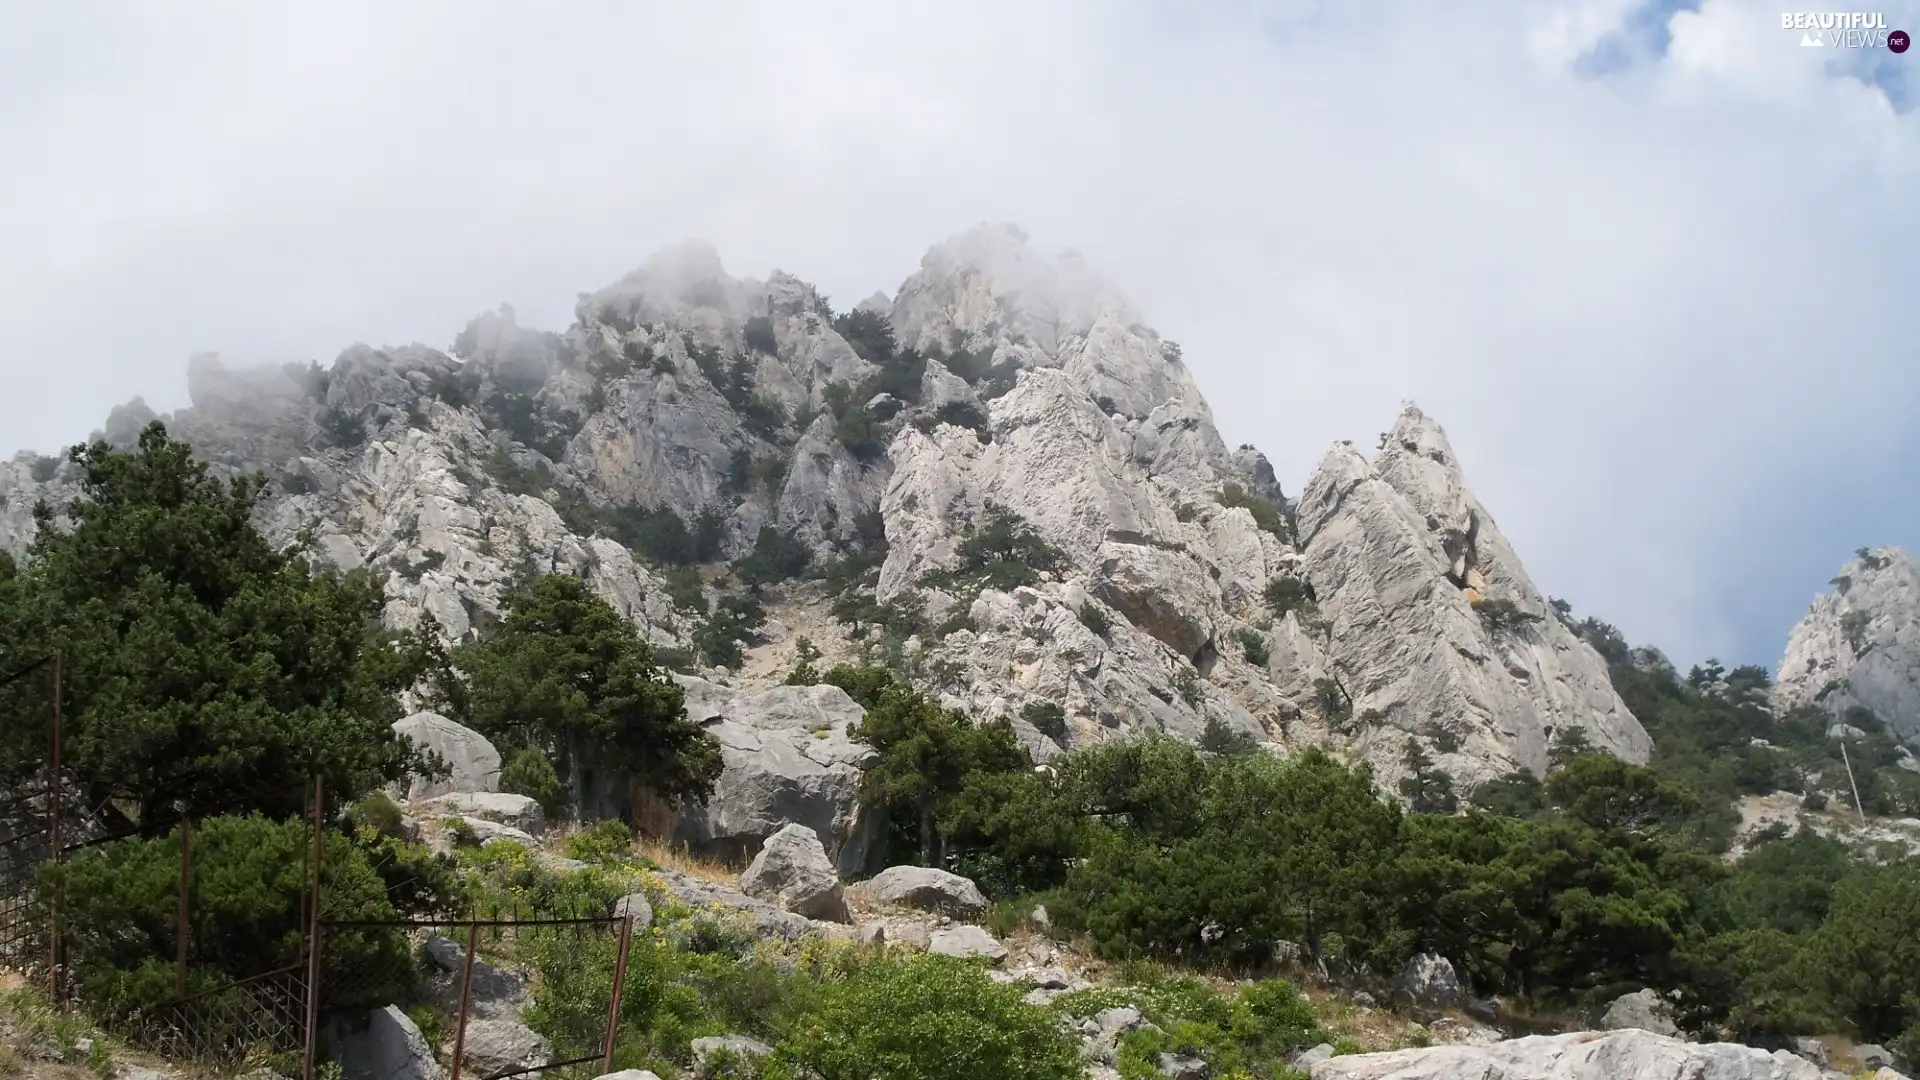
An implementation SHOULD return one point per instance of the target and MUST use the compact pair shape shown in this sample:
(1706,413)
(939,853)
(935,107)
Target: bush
(528,772)
(777,556)
(1047,717)
(1503,616)
(606,842)
(120,904)
(1253,644)
(1095,619)
(1266,516)
(733,621)
(44,469)
(925,1017)
(376,811)
(1284,594)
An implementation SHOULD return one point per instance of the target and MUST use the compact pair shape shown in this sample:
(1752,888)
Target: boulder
(634,906)
(787,758)
(474,763)
(1182,1067)
(737,1045)
(1642,1009)
(389,1047)
(756,916)
(498,993)
(793,870)
(1585,1055)
(1430,982)
(969,942)
(1308,1058)
(1872,1056)
(502,808)
(497,1046)
(927,889)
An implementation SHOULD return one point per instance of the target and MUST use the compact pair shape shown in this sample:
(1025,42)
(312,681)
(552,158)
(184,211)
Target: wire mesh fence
(463,975)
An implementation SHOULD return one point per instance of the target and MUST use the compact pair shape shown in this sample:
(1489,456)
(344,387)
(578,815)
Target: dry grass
(681,860)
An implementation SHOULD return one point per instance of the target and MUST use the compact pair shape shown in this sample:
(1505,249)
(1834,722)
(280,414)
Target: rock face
(788,760)
(996,384)
(792,870)
(1430,982)
(1443,638)
(1586,1055)
(1860,644)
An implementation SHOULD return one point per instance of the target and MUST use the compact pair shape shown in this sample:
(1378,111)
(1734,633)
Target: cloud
(1648,263)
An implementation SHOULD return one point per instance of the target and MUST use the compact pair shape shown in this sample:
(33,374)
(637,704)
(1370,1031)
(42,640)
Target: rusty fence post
(466,992)
(314,929)
(53,829)
(619,984)
(180,932)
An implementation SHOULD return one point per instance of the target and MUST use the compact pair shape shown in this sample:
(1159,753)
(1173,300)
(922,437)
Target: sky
(1653,266)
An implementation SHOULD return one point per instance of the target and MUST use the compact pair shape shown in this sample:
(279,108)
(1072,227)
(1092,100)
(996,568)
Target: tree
(563,671)
(928,754)
(204,670)
(1427,789)
(1608,794)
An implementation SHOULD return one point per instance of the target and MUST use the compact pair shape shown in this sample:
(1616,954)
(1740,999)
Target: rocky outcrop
(686,410)
(1586,1055)
(789,759)
(1860,644)
(387,1046)
(1440,635)
(1645,1010)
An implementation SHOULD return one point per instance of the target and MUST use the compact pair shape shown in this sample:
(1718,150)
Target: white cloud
(1657,310)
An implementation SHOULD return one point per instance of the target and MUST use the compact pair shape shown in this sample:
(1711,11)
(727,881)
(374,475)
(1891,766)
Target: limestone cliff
(1158,580)
(1860,644)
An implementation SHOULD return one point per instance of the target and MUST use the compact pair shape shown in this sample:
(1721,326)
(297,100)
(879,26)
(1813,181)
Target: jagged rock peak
(1439,636)
(1859,645)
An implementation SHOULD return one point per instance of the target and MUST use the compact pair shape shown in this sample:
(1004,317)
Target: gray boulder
(1182,1067)
(1308,1058)
(1430,982)
(389,1047)
(1642,1009)
(793,871)
(755,916)
(497,1046)
(968,942)
(502,808)
(498,993)
(634,906)
(474,763)
(1586,1055)
(787,759)
(704,1049)
(927,889)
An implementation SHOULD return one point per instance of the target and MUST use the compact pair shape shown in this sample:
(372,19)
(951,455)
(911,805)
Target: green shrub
(1253,645)
(120,904)
(1266,516)
(378,812)
(1047,717)
(685,589)
(925,1017)
(1503,616)
(1286,594)
(758,335)
(607,841)
(1095,619)
(777,556)
(528,772)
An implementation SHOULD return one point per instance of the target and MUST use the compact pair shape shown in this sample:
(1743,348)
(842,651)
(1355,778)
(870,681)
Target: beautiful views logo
(1845,30)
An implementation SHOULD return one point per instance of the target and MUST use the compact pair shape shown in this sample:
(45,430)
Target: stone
(1860,645)
(484,831)
(759,918)
(1813,1050)
(927,889)
(474,763)
(737,1045)
(793,870)
(968,942)
(1629,1054)
(1308,1058)
(497,993)
(1872,1056)
(497,1046)
(1119,1020)
(1182,1067)
(909,934)
(873,933)
(1039,916)
(388,1047)
(1430,982)
(1642,1009)
(502,808)
(788,759)
(634,906)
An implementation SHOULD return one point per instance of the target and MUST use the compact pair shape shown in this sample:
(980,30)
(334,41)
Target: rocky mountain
(1859,646)
(1015,487)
